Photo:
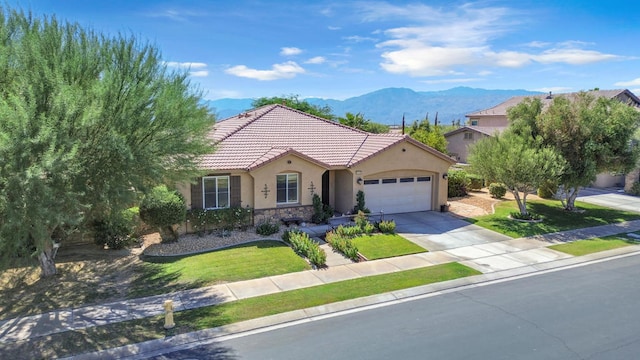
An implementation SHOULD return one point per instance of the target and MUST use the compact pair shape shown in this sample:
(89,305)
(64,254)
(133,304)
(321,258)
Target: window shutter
(234,188)
(196,194)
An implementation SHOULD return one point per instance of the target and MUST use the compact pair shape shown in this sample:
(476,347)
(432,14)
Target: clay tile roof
(487,130)
(501,109)
(254,138)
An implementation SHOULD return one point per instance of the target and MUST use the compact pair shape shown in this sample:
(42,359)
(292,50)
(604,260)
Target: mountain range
(388,106)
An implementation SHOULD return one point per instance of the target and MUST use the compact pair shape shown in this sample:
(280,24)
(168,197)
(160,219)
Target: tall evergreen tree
(86,121)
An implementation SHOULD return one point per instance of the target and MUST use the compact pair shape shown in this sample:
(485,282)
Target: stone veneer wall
(275,214)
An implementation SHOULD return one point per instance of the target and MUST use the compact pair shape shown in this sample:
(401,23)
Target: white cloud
(634,82)
(537,44)
(284,70)
(451,81)
(419,60)
(196,69)
(358,38)
(199,73)
(554,89)
(440,42)
(176,14)
(572,56)
(290,51)
(186,65)
(316,60)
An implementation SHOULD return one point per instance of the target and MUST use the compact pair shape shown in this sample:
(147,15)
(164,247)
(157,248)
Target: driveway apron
(442,231)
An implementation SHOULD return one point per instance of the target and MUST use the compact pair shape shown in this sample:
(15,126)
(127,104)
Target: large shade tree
(86,122)
(592,134)
(428,134)
(358,121)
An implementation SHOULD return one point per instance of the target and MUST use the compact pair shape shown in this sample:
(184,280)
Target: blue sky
(338,49)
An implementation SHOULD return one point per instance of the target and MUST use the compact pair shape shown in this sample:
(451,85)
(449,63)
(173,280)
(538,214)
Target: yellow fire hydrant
(168,314)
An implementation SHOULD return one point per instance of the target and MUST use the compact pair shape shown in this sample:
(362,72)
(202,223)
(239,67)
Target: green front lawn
(249,261)
(589,246)
(555,218)
(134,331)
(379,246)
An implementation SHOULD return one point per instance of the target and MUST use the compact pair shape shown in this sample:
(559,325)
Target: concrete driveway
(441,231)
(612,198)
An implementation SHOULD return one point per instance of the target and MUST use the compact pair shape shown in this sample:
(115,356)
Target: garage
(398,195)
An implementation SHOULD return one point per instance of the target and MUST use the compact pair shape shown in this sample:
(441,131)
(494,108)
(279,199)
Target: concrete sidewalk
(486,256)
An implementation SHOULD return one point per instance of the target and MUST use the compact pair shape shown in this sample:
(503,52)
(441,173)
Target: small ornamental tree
(163,208)
(517,163)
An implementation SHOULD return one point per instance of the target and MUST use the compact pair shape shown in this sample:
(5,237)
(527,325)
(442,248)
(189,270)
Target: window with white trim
(287,188)
(215,192)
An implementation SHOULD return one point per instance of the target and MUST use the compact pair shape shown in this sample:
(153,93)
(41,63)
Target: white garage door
(398,195)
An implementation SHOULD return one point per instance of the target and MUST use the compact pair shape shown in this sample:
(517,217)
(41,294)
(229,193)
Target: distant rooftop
(501,109)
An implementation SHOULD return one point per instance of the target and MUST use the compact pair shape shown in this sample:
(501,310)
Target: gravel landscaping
(193,244)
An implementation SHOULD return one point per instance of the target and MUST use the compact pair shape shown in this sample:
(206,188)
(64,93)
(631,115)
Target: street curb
(201,337)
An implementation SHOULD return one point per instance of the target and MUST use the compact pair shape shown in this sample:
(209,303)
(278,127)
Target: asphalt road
(589,312)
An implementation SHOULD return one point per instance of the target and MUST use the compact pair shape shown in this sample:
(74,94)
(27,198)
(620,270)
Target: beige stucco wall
(459,146)
(266,175)
(605,180)
(491,120)
(406,159)
(246,188)
(344,185)
(185,190)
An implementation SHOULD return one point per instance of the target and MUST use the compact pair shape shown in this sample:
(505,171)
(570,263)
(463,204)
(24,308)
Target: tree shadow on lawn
(554,218)
(100,276)
(106,337)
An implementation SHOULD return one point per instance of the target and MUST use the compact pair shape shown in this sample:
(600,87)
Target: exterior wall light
(445,176)
(359,181)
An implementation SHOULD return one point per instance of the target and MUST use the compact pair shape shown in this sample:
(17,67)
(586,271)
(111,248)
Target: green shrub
(317,256)
(286,236)
(304,246)
(548,189)
(475,182)
(267,228)
(529,216)
(387,227)
(116,230)
(163,208)
(361,220)
(342,244)
(458,184)
(360,203)
(219,219)
(348,231)
(321,212)
(369,228)
(497,190)
(635,189)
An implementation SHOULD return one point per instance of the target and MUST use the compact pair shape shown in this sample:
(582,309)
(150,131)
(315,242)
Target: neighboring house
(458,140)
(274,159)
(492,120)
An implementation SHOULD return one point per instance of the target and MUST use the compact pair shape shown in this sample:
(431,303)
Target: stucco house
(487,122)
(274,159)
